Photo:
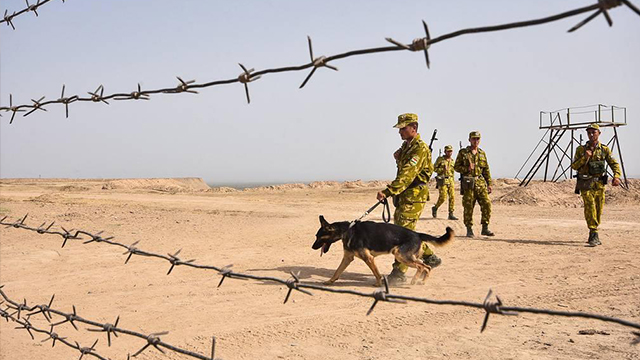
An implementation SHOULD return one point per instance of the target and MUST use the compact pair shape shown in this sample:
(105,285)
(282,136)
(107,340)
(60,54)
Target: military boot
(432,260)
(485,230)
(470,231)
(597,239)
(452,217)
(396,277)
(434,211)
(594,240)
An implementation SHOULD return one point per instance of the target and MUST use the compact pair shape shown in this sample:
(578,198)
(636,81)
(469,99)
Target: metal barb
(97,98)
(184,86)
(631,6)
(36,106)
(292,284)
(245,77)
(320,61)
(225,271)
(131,250)
(109,329)
(152,340)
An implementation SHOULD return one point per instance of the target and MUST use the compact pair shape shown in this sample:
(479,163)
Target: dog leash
(385,211)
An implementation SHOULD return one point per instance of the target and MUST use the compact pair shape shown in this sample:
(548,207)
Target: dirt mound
(222,189)
(562,194)
(356,184)
(295,186)
(74,188)
(171,185)
(324,185)
(46,198)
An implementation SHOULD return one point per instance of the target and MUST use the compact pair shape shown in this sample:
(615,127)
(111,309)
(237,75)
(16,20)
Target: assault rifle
(433,138)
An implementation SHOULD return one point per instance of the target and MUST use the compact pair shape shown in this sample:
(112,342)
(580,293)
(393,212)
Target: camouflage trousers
(480,194)
(446,190)
(593,200)
(410,204)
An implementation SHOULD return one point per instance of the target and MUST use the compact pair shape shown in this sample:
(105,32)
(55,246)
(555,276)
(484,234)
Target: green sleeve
(615,167)
(579,160)
(486,173)
(408,172)
(459,165)
(439,166)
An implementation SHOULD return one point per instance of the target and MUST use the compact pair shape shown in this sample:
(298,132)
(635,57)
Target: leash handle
(386,212)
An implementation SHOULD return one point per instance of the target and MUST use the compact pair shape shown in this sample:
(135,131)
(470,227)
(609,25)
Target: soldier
(444,182)
(475,183)
(409,189)
(589,162)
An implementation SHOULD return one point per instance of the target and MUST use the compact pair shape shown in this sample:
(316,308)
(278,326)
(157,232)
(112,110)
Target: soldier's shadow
(319,275)
(528,242)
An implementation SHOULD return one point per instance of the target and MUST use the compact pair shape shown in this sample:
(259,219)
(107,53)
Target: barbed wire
(383,294)
(8,18)
(420,44)
(46,310)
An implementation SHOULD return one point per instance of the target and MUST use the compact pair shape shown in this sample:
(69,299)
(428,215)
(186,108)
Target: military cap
(448,147)
(594,126)
(474,134)
(406,119)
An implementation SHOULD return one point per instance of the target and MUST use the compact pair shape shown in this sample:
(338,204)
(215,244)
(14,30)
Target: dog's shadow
(306,273)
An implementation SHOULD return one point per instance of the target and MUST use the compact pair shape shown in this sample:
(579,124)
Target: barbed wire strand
(381,294)
(46,310)
(421,44)
(8,18)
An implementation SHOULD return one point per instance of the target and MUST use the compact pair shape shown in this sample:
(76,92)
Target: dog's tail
(439,241)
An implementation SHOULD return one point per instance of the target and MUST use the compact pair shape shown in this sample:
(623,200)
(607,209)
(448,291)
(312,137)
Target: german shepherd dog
(366,240)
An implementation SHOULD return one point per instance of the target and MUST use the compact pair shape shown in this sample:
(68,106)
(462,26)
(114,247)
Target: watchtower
(560,140)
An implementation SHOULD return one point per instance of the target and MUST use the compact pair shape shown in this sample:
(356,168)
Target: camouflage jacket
(600,153)
(465,157)
(444,167)
(414,162)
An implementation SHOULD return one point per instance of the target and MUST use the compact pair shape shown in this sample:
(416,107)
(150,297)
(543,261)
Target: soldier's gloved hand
(615,181)
(380,196)
(489,189)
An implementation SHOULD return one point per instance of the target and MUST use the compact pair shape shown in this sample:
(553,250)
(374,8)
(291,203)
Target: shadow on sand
(306,272)
(524,241)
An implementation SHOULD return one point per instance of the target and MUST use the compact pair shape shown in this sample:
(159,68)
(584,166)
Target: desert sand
(537,259)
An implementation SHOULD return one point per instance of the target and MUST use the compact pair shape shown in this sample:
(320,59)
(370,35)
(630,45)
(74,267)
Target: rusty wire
(46,310)
(421,44)
(8,18)
(382,294)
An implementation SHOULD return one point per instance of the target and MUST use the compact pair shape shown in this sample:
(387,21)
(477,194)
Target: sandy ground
(537,259)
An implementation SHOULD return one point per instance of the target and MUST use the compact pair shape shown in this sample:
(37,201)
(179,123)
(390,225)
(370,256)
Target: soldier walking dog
(409,188)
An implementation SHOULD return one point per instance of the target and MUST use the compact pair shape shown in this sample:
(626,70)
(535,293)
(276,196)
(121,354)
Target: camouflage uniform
(410,185)
(593,198)
(444,169)
(482,180)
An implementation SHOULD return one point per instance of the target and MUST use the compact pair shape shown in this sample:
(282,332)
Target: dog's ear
(323,222)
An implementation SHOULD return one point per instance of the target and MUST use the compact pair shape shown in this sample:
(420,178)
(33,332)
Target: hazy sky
(339,127)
